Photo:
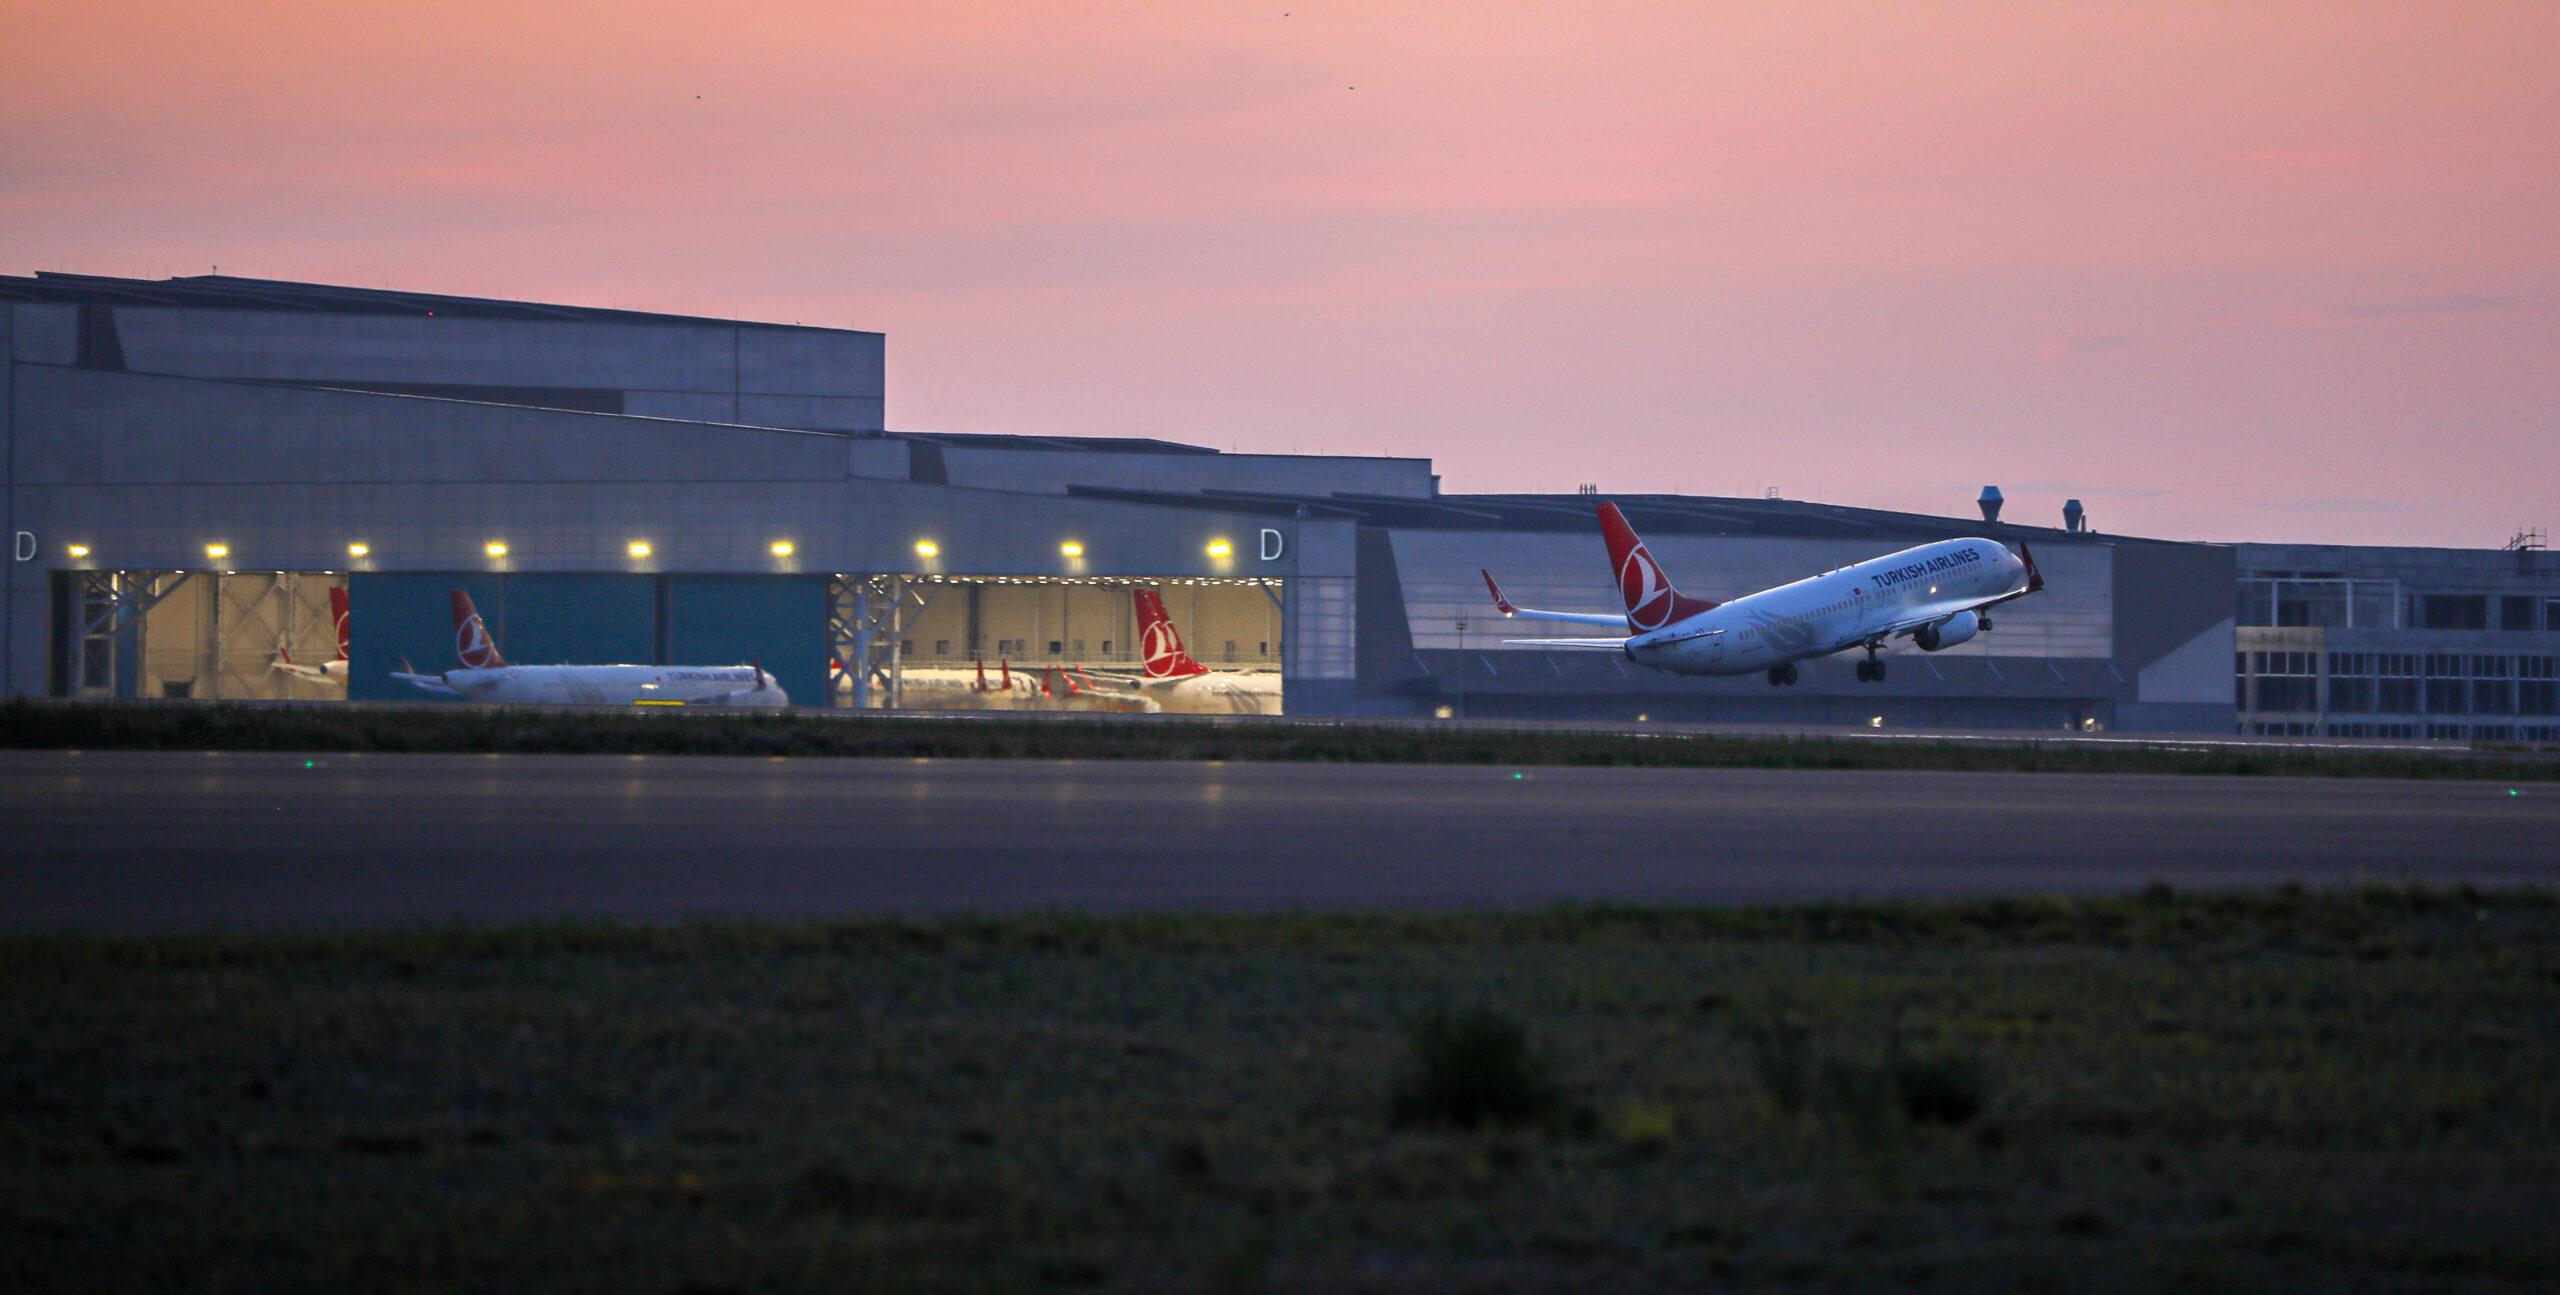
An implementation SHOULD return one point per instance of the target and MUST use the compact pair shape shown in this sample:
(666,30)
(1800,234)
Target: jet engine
(1947,633)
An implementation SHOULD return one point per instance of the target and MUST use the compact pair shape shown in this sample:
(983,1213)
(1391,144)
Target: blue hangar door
(536,619)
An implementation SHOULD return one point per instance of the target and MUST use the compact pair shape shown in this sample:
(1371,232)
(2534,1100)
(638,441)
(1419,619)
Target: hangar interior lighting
(79,550)
(217,552)
(359,549)
(495,548)
(783,548)
(637,548)
(928,549)
(1071,549)
(1221,549)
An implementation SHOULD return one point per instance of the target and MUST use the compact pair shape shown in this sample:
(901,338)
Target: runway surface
(134,842)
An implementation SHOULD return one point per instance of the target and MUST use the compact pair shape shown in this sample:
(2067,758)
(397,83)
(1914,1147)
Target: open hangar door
(202,635)
(1058,643)
(544,618)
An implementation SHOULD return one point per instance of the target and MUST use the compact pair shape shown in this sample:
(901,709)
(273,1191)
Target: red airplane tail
(471,640)
(1161,642)
(1652,602)
(338,613)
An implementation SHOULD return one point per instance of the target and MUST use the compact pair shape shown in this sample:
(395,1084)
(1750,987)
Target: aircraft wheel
(1777,675)
(1875,671)
(1866,671)
(1787,674)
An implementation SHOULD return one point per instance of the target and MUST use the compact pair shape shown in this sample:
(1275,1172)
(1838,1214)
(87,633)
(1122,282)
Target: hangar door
(1191,645)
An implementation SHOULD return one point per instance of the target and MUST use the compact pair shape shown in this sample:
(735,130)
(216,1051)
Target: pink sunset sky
(2226,271)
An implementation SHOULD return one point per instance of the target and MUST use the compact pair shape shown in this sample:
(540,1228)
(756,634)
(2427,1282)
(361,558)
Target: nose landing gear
(1782,674)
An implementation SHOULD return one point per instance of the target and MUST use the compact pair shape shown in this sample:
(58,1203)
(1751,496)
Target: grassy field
(2288,1090)
(620,732)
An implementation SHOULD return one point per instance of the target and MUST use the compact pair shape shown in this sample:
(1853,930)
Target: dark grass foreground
(50,725)
(2283,1091)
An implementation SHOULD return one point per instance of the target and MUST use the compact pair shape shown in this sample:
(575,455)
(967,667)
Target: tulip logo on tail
(1161,642)
(1652,602)
(471,636)
(338,610)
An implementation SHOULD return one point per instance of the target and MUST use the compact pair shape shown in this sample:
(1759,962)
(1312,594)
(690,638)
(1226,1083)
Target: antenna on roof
(2525,540)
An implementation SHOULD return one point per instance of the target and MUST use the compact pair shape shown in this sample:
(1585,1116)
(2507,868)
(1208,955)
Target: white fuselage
(1219,692)
(618,685)
(1835,610)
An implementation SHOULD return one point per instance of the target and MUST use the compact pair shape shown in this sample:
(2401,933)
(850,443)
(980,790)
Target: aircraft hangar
(196,464)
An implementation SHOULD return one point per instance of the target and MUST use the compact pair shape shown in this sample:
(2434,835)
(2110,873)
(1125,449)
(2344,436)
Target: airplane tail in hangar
(1652,602)
(338,613)
(1165,656)
(471,640)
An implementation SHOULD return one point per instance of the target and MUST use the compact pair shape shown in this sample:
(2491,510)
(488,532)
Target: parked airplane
(1936,595)
(974,687)
(486,676)
(327,672)
(1171,677)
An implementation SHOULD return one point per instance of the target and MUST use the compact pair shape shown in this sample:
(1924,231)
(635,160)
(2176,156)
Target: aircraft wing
(1614,620)
(1912,625)
(737,697)
(426,683)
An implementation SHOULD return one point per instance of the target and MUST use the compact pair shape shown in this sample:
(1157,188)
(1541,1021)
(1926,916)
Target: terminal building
(195,464)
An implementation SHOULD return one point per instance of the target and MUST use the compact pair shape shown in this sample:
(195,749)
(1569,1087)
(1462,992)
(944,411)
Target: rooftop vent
(1990,502)
(2074,517)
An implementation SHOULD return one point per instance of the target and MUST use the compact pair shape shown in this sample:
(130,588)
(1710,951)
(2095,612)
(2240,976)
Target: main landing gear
(1782,674)
(1871,670)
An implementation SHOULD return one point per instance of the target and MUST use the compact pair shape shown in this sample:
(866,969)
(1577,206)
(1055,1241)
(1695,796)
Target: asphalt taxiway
(151,841)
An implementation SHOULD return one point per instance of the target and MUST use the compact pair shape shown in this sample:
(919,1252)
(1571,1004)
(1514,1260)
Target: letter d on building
(1271,545)
(26,549)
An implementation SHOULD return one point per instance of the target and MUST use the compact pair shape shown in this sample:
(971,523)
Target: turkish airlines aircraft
(1050,688)
(327,671)
(486,676)
(1175,681)
(1935,595)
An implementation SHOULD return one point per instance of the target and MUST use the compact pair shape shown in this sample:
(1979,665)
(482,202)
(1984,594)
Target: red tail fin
(471,640)
(982,674)
(2035,578)
(1160,640)
(338,613)
(1651,601)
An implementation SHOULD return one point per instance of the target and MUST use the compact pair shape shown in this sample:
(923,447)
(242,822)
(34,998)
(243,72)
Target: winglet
(1500,603)
(2035,578)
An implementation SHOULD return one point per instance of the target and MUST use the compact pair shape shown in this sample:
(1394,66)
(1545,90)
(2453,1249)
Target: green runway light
(1518,776)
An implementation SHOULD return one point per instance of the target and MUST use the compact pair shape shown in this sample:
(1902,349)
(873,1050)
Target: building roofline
(234,292)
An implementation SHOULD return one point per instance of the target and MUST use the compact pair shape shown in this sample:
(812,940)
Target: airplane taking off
(1935,595)
(327,672)
(486,676)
